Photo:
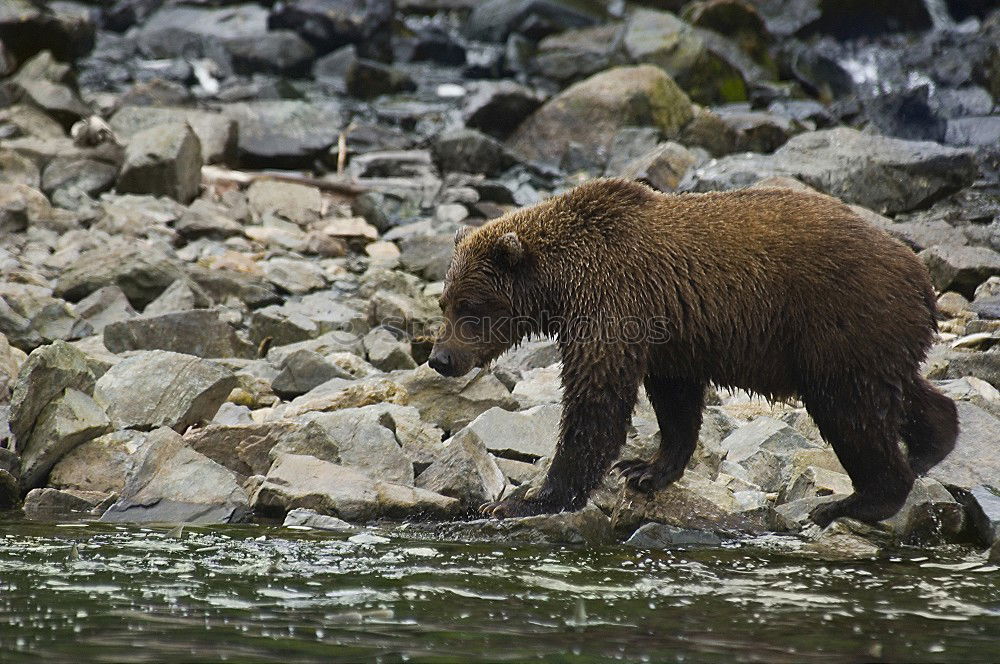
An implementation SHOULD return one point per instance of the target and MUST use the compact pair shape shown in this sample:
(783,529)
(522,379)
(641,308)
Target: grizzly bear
(779,292)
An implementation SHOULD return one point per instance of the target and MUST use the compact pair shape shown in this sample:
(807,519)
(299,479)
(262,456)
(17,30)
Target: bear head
(481,318)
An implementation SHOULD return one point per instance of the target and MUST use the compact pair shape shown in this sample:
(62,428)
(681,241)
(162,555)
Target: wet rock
(44,377)
(662,168)
(300,517)
(590,112)
(387,352)
(699,60)
(307,482)
(284,134)
(974,460)
(52,504)
(661,536)
(367,79)
(274,52)
(960,268)
(355,395)
(172,483)
(930,515)
(464,470)
(573,55)
(215,132)
(198,332)
(469,151)
(495,20)
(982,506)
(815,481)
(524,435)
(100,464)
(589,526)
(65,422)
(10,490)
(451,403)
(692,502)
(330,24)
(57,100)
(858,168)
(159,388)
(88,175)
(164,160)
(840,541)
(304,370)
(497,108)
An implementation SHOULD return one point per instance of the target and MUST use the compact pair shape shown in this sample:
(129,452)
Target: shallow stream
(100,593)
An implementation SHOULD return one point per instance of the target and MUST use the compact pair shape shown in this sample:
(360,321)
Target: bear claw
(644,476)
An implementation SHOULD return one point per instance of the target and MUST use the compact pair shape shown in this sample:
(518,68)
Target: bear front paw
(646,476)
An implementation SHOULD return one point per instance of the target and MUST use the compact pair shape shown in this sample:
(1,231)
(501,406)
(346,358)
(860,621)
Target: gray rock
(221,285)
(47,373)
(524,435)
(663,167)
(815,481)
(11,360)
(304,481)
(105,306)
(451,403)
(538,386)
(294,275)
(386,352)
(367,79)
(176,31)
(22,206)
(330,24)
(464,470)
(164,160)
(88,175)
(930,515)
(10,490)
(982,507)
(973,131)
(974,460)
(206,219)
(758,131)
(173,483)
(420,440)
(307,518)
(573,55)
(274,52)
(198,332)
(495,20)
(326,344)
(496,108)
(142,273)
(159,388)
(589,526)
(841,541)
(392,163)
(64,423)
(16,168)
(765,448)
(414,316)
(312,316)
(215,132)
(960,269)
(182,295)
(54,504)
(865,169)
(284,134)
(100,464)
(304,370)
(427,256)
(58,100)
(589,113)
(298,203)
(27,28)
(661,536)
(469,151)
(245,448)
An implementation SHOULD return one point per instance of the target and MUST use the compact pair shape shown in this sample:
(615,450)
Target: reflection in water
(113,594)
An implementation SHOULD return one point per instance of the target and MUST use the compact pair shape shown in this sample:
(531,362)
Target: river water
(101,593)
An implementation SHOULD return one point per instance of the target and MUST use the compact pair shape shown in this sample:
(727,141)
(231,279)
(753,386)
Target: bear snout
(443,361)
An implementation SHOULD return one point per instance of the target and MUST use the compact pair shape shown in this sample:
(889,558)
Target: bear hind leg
(930,425)
(864,432)
(678,405)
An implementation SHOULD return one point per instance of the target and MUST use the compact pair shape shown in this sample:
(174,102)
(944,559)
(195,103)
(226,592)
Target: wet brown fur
(780,292)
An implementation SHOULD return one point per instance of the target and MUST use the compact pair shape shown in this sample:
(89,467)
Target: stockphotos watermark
(487,330)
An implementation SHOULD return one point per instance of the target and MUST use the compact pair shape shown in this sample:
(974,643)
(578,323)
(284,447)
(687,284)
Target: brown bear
(779,292)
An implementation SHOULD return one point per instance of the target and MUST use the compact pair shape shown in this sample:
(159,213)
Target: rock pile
(187,337)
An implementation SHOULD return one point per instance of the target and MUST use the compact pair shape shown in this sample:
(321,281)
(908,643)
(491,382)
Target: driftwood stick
(217,174)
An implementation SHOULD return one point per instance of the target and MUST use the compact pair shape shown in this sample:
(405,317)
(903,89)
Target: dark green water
(274,594)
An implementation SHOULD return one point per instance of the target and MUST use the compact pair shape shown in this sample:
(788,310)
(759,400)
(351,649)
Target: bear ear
(509,250)
(462,233)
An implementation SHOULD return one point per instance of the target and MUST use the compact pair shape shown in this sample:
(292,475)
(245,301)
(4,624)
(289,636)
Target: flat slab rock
(975,460)
(172,483)
(297,480)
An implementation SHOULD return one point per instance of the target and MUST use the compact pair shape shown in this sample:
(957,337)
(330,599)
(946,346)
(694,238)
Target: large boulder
(297,480)
(27,27)
(524,435)
(284,133)
(142,272)
(974,461)
(960,269)
(159,388)
(64,423)
(164,160)
(48,372)
(215,132)
(590,112)
(199,332)
(329,24)
(100,464)
(451,403)
(888,175)
(465,470)
(172,483)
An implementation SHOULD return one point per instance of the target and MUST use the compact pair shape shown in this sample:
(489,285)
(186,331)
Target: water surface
(101,593)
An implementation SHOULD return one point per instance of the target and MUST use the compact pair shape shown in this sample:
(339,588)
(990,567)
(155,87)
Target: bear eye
(464,308)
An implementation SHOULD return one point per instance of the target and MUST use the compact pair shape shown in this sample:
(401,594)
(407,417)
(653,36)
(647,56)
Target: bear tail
(930,427)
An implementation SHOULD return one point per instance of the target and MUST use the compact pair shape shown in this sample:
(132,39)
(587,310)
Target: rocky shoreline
(224,225)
